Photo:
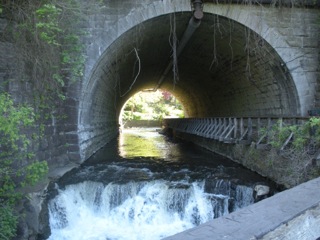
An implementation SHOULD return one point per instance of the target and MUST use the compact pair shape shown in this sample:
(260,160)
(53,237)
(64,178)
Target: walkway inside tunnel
(225,69)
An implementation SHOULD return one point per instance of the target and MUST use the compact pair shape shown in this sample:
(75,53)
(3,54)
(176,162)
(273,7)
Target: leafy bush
(17,166)
(8,221)
(314,125)
(293,151)
(302,135)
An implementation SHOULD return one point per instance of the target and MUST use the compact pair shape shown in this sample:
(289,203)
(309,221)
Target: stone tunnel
(239,60)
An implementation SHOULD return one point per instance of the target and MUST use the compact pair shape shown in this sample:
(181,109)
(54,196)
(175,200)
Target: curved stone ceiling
(224,70)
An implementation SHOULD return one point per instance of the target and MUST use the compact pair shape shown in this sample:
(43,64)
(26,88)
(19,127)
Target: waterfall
(243,196)
(136,210)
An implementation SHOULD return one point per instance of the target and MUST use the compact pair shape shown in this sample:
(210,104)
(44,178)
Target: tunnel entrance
(226,69)
(147,108)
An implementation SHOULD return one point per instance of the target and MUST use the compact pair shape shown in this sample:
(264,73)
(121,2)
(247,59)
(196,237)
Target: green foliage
(50,40)
(15,154)
(35,172)
(11,118)
(302,134)
(152,106)
(55,26)
(8,221)
(48,23)
(292,152)
(314,125)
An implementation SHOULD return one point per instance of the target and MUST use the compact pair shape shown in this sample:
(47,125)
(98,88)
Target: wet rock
(30,208)
(317,161)
(261,192)
(218,186)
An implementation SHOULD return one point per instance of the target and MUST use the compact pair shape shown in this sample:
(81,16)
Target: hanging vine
(173,41)
(231,29)
(215,59)
(137,74)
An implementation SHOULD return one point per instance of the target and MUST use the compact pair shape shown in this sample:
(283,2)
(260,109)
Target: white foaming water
(243,196)
(132,211)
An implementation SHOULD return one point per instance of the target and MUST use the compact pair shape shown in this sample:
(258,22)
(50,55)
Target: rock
(29,212)
(318,160)
(261,190)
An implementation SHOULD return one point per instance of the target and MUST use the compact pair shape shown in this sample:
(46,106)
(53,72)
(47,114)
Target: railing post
(231,129)
(249,129)
(258,126)
(241,127)
(235,122)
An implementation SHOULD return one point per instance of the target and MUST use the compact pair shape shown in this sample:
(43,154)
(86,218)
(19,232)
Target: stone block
(71,127)
(301,32)
(309,64)
(73,148)
(310,42)
(3,24)
(71,137)
(49,130)
(295,42)
(44,144)
(318,160)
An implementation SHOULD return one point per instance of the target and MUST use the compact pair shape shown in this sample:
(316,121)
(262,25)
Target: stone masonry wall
(293,33)
(59,142)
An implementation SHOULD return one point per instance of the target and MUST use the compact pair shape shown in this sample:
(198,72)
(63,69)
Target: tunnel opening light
(150,105)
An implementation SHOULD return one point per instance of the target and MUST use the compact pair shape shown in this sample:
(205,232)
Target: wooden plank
(249,129)
(235,123)
(287,141)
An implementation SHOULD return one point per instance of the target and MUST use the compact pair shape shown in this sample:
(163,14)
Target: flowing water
(147,188)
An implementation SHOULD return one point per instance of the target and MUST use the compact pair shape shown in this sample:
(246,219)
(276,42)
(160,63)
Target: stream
(145,186)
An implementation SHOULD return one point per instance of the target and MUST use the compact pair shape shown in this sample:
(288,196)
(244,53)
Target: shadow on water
(150,186)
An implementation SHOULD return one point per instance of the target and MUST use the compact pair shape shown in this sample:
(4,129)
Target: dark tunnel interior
(225,69)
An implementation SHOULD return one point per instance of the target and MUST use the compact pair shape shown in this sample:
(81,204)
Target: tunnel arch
(266,90)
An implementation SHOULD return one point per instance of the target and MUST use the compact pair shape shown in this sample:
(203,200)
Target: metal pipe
(192,27)
(193,24)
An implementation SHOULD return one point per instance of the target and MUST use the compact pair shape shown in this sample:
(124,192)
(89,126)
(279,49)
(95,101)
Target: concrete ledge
(142,123)
(283,214)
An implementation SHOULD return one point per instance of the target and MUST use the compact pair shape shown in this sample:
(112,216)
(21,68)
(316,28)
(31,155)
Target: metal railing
(243,130)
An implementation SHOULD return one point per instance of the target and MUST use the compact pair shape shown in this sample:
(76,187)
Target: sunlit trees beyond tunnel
(150,105)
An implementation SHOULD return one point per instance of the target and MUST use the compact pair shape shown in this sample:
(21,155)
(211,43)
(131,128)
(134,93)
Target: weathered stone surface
(304,227)
(283,216)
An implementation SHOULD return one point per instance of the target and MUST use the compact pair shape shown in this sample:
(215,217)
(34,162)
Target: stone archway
(235,64)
